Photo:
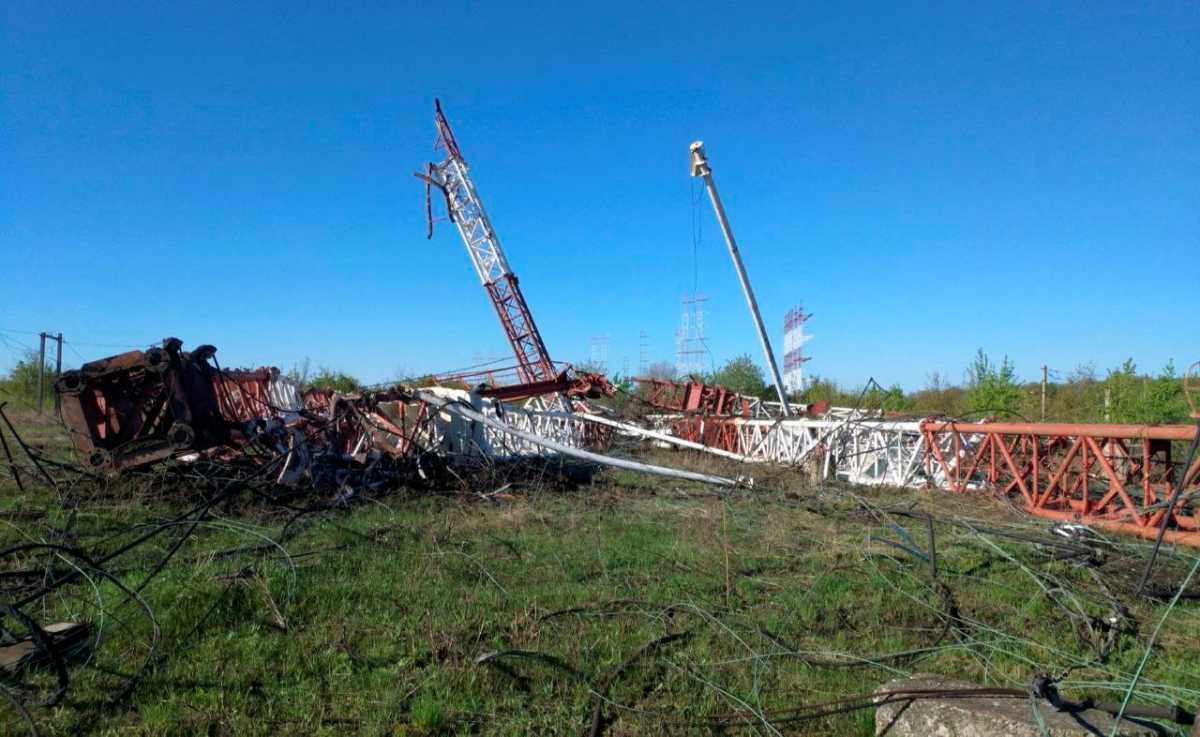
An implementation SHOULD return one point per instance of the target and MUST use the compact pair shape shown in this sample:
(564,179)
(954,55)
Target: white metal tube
(634,429)
(469,413)
(701,168)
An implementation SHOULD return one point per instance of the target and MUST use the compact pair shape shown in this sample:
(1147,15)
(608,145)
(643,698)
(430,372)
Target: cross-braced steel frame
(1113,477)
(487,256)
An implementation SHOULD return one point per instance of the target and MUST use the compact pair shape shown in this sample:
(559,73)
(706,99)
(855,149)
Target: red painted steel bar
(694,396)
(1085,473)
(1055,429)
(1112,477)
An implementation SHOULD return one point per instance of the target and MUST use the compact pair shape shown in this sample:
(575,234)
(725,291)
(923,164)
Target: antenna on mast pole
(700,168)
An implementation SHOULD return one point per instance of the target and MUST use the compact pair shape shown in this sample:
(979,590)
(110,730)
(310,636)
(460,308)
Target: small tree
(1080,398)
(938,396)
(1124,391)
(661,370)
(1136,398)
(20,384)
(300,372)
(623,384)
(891,399)
(1165,401)
(743,376)
(992,389)
(338,381)
(820,389)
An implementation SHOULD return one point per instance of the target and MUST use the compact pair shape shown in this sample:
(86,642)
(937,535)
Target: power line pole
(700,168)
(1044,372)
(41,370)
(58,373)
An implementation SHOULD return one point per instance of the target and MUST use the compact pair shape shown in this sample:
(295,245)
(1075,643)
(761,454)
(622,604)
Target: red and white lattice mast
(794,339)
(466,210)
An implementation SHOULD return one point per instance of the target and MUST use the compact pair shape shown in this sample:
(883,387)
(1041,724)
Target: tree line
(19,385)
(1123,394)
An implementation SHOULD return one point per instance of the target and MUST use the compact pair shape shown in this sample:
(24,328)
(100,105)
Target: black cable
(1179,478)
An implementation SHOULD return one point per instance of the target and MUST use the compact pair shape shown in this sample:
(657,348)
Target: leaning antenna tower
(451,176)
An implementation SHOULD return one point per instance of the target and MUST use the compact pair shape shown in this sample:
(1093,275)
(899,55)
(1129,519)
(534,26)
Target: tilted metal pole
(57,374)
(41,370)
(1044,370)
(700,168)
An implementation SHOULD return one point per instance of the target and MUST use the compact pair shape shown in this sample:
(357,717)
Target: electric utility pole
(57,373)
(41,370)
(700,168)
(1044,372)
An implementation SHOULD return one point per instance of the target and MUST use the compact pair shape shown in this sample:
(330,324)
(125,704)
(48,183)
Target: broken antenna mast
(487,256)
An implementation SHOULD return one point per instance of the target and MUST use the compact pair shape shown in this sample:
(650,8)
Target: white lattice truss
(466,209)
(455,435)
(845,445)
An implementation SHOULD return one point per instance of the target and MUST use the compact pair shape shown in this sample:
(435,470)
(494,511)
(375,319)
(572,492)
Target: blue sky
(1022,178)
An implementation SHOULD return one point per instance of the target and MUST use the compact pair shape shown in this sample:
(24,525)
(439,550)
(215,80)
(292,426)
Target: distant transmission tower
(599,353)
(691,352)
(643,353)
(793,349)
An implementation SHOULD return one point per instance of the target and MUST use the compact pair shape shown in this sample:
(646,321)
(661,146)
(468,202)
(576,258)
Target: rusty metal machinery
(504,383)
(694,396)
(141,406)
(138,408)
(712,400)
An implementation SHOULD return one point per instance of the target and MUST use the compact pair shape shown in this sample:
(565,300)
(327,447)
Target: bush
(338,381)
(19,386)
(743,376)
(992,389)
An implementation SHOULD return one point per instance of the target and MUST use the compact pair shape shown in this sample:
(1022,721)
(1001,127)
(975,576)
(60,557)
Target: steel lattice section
(1112,477)
(466,209)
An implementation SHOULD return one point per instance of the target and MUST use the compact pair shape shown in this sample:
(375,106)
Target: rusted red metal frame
(694,396)
(445,134)
(141,406)
(513,392)
(532,357)
(244,395)
(498,383)
(1074,472)
(714,432)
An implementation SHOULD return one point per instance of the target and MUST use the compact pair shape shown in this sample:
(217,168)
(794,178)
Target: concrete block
(987,716)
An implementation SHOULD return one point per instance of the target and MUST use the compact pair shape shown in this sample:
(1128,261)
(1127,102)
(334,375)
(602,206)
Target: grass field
(625,605)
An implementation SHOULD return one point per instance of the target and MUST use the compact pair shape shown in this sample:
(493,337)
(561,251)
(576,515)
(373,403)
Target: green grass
(379,617)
